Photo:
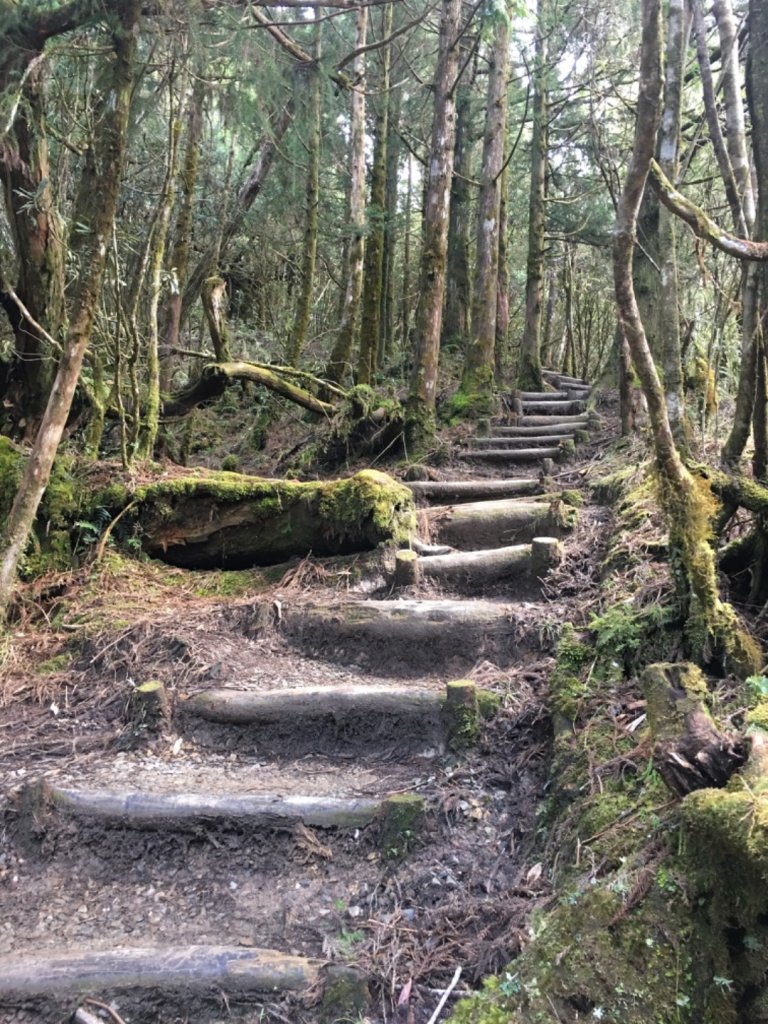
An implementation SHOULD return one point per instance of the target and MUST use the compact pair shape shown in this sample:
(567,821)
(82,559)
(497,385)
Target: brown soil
(459,892)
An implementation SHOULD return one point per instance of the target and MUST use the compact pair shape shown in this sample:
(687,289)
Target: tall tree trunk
(529,372)
(94,217)
(502,291)
(389,297)
(423,390)
(38,237)
(479,362)
(179,257)
(669,154)
(373,287)
(711,626)
(312,206)
(339,364)
(405,299)
(458,289)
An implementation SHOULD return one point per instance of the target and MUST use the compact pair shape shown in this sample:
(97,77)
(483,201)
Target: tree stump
(546,552)
(407,571)
(149,706)
(689,753)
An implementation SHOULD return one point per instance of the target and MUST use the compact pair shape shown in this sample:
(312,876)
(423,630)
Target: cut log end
(407,572)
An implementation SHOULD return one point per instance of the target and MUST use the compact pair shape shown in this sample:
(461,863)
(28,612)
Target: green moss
(573,498)
(230,463)
(758,716)
(566,686)
(399,818)
(345,996)
(58,663)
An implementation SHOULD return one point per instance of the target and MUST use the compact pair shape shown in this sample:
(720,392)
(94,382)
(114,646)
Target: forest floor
(458,890)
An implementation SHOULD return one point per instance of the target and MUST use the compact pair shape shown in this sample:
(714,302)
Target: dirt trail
(314,800)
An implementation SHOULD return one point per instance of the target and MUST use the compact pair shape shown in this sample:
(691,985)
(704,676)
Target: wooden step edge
(190,968)
(511,454)
(468,490)
(138,809)
(545,430)
(579,420)
(512,442)
(227,706)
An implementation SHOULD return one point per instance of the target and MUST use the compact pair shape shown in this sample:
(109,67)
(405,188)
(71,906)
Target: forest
(383,511)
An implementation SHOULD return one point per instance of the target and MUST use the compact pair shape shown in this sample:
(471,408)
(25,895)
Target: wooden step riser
(563,432)
(326,721)
(507,455)
(546,441)
(580,422)
(185,968)
(471,571)
(555,375)
(485,525)
(472,490)
(406,638)
(570,408)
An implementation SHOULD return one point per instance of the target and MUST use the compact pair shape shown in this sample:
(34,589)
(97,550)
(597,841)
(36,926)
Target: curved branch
(701,223)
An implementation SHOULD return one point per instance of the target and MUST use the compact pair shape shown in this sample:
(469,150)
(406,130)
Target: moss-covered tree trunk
(529,371)
(339,364)
(94,218)
(501,354)
(429,313)
(479,362)
(373,286)
(712,628)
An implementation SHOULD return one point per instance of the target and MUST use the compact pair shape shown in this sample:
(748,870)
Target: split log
(185,968)
(509,454)
(215,378)
(472,490)
(186,810)
(246,707)
(689,752)
(487,524)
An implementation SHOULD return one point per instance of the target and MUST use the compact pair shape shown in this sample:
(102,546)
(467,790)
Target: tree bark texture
(339,365)
(95,210)
(712,628)
(479,362)
(529,372)
(423,389)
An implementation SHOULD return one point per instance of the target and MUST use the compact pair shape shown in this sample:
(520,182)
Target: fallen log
(479,567)
(186,968)
(510,455)
(556,375)
(487,524)
(472,490)
(215,378)
(229,521)
(550,396)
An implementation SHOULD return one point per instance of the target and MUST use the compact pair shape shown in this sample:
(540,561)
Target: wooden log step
(550,396)
(472,490)
(142,809)
(489,566)
(246,707)
(546,430)
(578,420)
(337,720)
(487,524)
(405,637)
(556,375)
(507,441)
(511,455)
(542,407)
(184,968)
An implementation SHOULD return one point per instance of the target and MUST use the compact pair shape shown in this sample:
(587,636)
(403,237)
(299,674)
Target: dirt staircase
(220,871)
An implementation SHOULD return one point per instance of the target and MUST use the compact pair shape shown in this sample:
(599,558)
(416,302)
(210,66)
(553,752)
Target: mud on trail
(350,812)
